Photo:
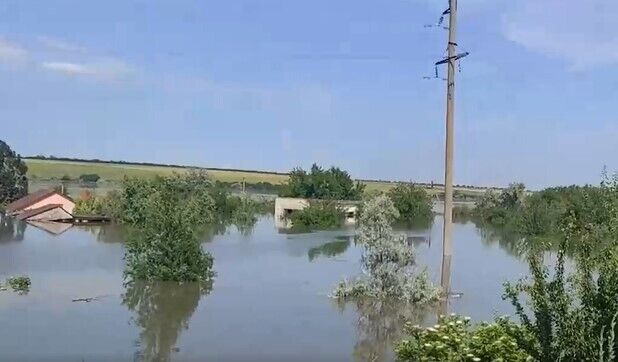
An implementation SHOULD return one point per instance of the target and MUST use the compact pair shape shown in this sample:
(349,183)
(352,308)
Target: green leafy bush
(318,216)
(453,339)
(573,317)
(329,184)
(413,203)
(107,205)
(20,284)
(90,177)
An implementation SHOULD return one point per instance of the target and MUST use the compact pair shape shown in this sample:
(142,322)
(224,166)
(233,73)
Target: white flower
(476,359)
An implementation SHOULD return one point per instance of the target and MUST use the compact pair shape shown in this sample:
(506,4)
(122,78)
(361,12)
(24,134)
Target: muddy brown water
(269,301)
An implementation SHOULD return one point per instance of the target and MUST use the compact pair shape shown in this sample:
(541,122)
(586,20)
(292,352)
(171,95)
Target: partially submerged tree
(388,261)
(13,181)
(167,215)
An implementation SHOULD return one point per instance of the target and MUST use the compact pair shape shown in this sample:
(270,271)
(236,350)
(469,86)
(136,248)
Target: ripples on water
(269,300)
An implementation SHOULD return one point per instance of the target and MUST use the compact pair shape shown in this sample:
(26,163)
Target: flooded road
(269,301)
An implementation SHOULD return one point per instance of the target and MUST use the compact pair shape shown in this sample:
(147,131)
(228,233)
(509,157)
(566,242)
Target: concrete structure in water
(285,206)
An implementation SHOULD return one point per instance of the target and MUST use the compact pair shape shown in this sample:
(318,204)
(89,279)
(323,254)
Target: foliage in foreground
(318,216)
(572,317)
(19,284)
(13,181)
(166,214)
(454,339)
(329,184)
(387,261)
(413,203)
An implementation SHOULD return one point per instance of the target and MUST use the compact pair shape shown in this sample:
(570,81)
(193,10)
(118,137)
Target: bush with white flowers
(454,339)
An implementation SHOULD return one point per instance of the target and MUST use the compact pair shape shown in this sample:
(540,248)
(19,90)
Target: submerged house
(48,205)
(49,212)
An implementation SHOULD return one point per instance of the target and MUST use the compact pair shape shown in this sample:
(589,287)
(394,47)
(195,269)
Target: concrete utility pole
(447,231)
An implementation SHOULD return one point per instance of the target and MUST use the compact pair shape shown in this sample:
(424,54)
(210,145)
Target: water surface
(269,301)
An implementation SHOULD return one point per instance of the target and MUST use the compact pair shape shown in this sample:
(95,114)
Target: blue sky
(274,84)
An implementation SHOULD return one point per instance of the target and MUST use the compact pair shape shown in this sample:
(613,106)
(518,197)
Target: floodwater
(269,301)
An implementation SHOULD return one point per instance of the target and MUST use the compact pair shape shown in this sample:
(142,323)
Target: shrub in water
(387,260)
(166,215)
(20,284)
(318,216)
(413,203)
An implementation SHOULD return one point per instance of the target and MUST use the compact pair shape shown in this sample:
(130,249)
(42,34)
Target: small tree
(166,215)
(387,261)
(13,181)
(412,202)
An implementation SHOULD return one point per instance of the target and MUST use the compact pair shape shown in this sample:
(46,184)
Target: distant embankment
(57,168)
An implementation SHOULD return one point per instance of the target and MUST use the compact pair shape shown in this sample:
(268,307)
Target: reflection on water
(52,227)
(330,249)
(271,293)
(162,311)
(379,324)
(11,229)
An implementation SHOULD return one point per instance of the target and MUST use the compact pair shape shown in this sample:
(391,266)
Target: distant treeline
(131,163)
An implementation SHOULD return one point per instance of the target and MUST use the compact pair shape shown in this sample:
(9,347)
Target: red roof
(30,213)
(24,202)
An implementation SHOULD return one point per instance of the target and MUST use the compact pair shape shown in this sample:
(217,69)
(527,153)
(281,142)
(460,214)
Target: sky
(275,84)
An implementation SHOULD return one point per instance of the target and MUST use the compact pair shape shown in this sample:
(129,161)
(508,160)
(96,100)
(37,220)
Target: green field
(113,172)
(55,169)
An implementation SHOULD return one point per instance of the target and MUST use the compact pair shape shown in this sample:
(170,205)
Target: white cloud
(103,70)
(11,52)
(582,33)
(59,44)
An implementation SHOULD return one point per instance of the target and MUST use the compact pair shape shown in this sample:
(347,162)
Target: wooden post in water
(447,243)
